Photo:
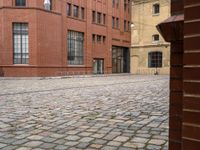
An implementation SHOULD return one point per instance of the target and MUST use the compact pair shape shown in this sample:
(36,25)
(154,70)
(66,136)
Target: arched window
(155,59)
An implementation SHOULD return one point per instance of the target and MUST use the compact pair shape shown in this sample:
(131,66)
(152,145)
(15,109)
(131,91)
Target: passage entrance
(120,60)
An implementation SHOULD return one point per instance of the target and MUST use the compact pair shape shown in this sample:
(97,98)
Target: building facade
(150,54)
(62,37)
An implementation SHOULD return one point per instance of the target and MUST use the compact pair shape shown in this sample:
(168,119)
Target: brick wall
(191,76)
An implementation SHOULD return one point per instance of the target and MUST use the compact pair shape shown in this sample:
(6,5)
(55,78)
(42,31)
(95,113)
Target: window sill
(99,24)
(156,14)
(77,66)
(83,20)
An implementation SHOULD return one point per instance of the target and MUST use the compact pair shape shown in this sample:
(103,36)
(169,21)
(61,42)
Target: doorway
(98,66)
(120,60)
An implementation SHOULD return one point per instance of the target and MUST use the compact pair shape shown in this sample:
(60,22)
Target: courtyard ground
(108,113)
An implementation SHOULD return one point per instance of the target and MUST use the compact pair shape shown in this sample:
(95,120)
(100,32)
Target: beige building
(150,54)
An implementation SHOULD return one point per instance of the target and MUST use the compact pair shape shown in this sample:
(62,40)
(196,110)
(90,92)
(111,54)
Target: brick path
(106,113)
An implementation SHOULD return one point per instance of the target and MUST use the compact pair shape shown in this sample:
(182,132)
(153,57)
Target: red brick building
(66,37)
(183,31)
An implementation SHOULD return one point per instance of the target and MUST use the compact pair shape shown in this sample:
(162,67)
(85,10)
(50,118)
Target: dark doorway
(98,66)
(120,60)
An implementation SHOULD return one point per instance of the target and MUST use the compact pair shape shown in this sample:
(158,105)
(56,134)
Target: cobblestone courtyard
(107,113)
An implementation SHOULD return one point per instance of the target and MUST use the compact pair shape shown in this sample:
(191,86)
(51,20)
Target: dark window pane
(75,47)
(155,59)
(20,2)
(20,43)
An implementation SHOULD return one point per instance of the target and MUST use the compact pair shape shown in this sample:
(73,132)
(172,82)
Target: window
(75,47)
(104,18)
(129,4)
(51,4)
(76,8)
(125,25)
(156,8)
(99,17)
(104,39)
(98,38)
(125,5)
(117,22)
(155,59)
(20,2)
(113,3)
(117,3)
(69,7)
(82,13)
(20,43)
(113,22)
(129,26)
(93,38)
(93,16)
(155,38)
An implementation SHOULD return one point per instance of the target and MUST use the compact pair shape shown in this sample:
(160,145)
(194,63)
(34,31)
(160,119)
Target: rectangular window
(75,47)
(155,38)
(98,38)
(113,22)
(51,4)
(156,8)
(20,43)
(125,5)
(104,39)
(76,9)
(69,9)
(93,16)
(99,17)
(117,22)
(93,38)
(113,3)
(117,3)
(104,18)
(155,59)
(82,13)
(125,25)
(20,2)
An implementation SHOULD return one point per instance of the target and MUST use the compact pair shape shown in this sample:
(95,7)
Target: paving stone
(35,137)
(109,148)
(47,145)
(2,145)
(99,141)
(83,145)
(86,139)
(24,148)
(139,140)
(121,139)
(33,143)
(61,147)
(96,146)
(153,147)
(71,143)
(72,138)
(114,143)
(157,142)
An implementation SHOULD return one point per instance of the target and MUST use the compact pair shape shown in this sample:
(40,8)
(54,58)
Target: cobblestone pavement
(106,113)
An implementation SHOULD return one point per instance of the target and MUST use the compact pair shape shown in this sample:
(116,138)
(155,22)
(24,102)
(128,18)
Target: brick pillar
(191,76)
(176,95)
